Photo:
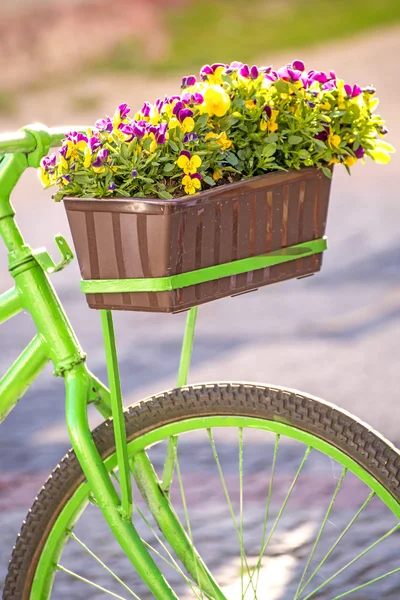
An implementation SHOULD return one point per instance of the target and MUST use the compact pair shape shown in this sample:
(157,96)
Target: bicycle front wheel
(283,496)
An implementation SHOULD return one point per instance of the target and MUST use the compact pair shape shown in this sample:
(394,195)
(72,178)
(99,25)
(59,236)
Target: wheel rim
(251,573)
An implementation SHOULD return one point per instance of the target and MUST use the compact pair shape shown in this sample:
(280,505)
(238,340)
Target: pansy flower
(188,163)
(191,183)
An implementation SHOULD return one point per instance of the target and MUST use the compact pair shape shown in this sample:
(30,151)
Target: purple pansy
(206,71)
(146,109)
(294,74)
(268,111)
(94,143)
(64,150)
(196,176)
(100,158)
(189,80)
(49,162)
(183,114)
(111,186)
(190,137)
(254,72)
(197,98)
(329,85)
(321,135)
(75,137)
(67,178)
(359,153)
(178,106)
(104,124)
(298,65)
(123,110)
(318,76)
(244,71)
(185,153)
(133,173)
(369,89)
(187,98)
(161,134)
(383,130)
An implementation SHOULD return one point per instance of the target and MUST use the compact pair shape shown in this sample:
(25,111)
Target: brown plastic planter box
(136,238)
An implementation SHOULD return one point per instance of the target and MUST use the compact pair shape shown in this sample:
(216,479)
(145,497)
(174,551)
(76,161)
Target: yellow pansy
(87,158)
(215,78)
(189,164)
(333,161)
(250,104)
(334,140)
(43,176)
(326,106)
(63,162)
(272,125)
(217,175)
(187,125)
(222,139)
(350,161)
(190,184)
(173,123)
(73,149)
(263,125)
(217,101)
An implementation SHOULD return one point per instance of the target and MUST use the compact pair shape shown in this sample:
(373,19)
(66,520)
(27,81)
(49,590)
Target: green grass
(221,30)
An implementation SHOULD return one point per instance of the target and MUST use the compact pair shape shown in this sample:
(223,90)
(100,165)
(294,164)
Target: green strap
(174,282)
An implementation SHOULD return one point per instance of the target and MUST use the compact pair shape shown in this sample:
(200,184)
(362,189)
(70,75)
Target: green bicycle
(143,482)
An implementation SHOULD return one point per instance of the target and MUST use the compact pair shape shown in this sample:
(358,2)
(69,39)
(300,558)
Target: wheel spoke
(232,513)
(339,539)
(178,472)
(395,528)
(321,529)
(172,562)
(271,481)
(93,555)
(360,587)
(282,508)
(95,585)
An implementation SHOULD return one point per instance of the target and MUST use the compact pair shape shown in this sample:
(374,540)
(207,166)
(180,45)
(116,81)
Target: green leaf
(303,154)
(272,137)
(294,139)
(173,146)
(320,143)
(58,196)
(209,180)
(231,159)
(281,86)
(201,121)
(269,150)
(163,194)
(327,172)
(168,168)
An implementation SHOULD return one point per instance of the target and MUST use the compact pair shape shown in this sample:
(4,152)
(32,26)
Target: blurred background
(335,335)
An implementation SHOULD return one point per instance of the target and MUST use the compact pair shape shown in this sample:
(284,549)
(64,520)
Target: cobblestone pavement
(334,335)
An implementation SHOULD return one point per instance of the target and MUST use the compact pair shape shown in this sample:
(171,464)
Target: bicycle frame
(56,342)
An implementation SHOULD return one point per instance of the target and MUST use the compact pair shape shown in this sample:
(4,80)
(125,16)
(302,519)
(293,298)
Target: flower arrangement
(231,123)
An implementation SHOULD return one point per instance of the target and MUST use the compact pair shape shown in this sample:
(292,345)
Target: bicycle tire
(337,427)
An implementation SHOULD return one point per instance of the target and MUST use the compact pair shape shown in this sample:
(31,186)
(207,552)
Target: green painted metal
(186,355)
(25,141)
(74,507)
(117,412)
(187,347)
(21,375)
(174,282)
(168,522)
(47,263)
(77,382)
(10,304)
